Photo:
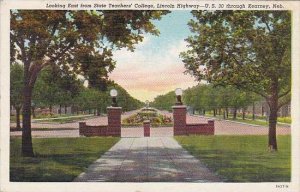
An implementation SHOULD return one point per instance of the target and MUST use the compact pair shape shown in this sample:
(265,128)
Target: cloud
(151,70)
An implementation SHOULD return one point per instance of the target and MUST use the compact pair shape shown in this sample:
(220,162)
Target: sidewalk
(152,159)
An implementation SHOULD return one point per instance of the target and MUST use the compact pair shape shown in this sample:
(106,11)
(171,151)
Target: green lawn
(64,120)
(57,159)
(56,118)
(250,121)
(242,158)
(257,121)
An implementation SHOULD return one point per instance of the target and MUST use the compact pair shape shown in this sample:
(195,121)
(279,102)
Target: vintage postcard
(150,96)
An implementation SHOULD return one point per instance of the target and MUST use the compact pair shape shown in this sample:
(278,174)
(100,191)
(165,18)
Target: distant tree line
(219,100)
(205,98)
(164,102)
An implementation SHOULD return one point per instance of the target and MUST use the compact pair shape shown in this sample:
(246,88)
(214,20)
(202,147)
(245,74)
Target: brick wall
(112,129)
(89,131)
(182,128)
(201,129)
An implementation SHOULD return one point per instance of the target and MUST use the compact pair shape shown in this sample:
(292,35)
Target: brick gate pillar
(179,117)
(114,121)
(211,127)
(146,124)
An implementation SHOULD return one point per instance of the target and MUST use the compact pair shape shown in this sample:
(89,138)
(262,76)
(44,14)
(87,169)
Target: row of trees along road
(164,102)
(73,40)
(54,88)
(204,98)
(207,98)
(250,50)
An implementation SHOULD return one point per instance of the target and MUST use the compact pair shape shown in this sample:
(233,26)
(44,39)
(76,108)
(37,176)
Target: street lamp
(178,93)
(113,93)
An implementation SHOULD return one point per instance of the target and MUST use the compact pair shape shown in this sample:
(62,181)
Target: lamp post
(113,93)
(178,93)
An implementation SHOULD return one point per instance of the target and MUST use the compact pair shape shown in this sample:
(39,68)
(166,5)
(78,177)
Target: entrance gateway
(114,126)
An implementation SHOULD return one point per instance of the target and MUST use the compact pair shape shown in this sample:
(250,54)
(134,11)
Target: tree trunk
(227,112)
(18,110)
(262,111)
(253,111)
(214,112)
(65,109)
(98,111)
(234,113)
(272,129)
(72,109)
(33,111)
(224,115)
(59,109)
(27,149)
(273,105)
(50,108)
(203,111)
(244,114)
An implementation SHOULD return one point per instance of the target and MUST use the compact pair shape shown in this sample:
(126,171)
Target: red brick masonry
(201,129)
(90,131)
(114,121)
(146,128)
(179,116)
(112,129)
(182,128)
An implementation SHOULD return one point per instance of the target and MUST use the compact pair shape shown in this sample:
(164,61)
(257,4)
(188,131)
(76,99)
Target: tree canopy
(41,38)
(250,50)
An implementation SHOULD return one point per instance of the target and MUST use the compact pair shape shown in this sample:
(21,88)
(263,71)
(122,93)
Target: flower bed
(156,120)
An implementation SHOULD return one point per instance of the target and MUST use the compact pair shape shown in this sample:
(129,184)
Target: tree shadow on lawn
(241,166)
(52,168)
(56,159)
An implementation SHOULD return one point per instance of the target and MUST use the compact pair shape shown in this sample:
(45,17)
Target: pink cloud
(146,74)
(157,81)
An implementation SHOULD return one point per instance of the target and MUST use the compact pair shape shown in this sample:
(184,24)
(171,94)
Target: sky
(154,68)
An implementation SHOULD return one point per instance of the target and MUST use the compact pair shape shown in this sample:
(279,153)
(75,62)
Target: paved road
(224,127)
(97,120)
(236,128)
(221,128)
(151,159)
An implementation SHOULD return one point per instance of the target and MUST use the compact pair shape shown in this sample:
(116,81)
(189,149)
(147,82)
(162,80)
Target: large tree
(248,49)
(40,38)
